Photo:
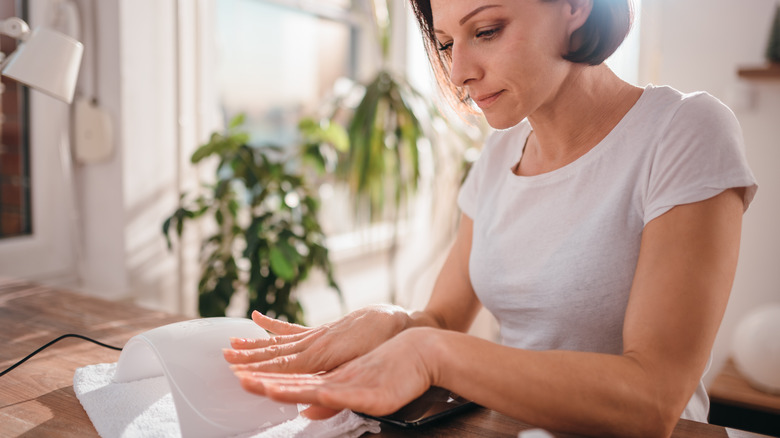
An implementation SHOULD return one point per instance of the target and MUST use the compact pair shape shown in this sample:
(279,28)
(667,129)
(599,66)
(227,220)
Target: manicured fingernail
(247,381)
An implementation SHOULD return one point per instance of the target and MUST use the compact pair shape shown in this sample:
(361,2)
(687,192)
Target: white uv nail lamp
(209,399)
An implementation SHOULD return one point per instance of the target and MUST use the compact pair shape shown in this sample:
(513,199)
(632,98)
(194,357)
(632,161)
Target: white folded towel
(145,408)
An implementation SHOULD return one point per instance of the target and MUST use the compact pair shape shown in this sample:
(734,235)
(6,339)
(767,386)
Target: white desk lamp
(46,60)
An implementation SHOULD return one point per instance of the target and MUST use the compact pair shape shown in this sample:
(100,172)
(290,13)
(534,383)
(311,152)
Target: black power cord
(69,335)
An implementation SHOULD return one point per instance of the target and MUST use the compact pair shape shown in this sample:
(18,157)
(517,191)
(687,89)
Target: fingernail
(238,341)
(241,373)
(247,379)
(273,387)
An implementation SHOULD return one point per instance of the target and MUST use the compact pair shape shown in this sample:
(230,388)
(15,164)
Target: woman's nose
(463,67)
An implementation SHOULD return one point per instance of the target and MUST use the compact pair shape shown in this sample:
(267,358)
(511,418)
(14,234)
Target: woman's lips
(486,100)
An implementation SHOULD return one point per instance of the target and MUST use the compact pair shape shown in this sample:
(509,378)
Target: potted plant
(268,237)
(375,143)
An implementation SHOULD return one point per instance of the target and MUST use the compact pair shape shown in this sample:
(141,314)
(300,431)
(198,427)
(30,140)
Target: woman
(600,226)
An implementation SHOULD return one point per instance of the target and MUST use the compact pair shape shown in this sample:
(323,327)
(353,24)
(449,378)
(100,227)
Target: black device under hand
(434,404)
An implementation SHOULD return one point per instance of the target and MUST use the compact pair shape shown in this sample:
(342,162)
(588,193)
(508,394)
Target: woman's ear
(578,12)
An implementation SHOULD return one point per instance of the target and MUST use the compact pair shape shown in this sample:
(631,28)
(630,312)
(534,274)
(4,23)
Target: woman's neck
(588,105)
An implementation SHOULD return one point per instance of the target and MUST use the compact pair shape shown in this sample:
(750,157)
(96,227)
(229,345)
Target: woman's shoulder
(674,106)
(696,151)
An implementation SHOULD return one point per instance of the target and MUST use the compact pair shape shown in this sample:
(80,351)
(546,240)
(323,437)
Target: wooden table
(37,398)
(729,387)
(737,404)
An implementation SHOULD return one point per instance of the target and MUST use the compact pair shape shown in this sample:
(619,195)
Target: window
(278,60)
(41,247)
(15,214)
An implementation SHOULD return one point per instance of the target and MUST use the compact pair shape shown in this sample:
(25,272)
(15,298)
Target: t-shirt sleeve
(700,155)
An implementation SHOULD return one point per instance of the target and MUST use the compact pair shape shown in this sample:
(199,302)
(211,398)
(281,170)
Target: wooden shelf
(768,71)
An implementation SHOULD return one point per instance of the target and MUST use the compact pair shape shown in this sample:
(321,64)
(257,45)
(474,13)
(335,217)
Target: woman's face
(506,53)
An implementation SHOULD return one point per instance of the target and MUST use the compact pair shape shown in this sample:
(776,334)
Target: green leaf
(165,228)
(308,126)
(179,225)
(283,262)
(202,152)
(237,121)
(336,135)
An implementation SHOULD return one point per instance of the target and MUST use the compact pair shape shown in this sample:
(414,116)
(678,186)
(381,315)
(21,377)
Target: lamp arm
(15,27)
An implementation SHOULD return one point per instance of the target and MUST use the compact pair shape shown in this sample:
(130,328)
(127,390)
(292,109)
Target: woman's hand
(299,349)
(377,383)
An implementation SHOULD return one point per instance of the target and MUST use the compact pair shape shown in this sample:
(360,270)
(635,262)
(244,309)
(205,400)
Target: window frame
(21,118)
(48,252)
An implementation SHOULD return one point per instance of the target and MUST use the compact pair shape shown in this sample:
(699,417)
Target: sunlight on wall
(625,61)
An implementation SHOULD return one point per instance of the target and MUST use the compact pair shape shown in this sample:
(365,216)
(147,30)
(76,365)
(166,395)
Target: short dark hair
(602,33)
(597,39)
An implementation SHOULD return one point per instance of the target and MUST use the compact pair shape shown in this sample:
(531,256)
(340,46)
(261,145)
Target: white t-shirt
(553,255)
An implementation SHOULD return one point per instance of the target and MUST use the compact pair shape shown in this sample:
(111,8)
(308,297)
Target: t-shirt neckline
(588,156)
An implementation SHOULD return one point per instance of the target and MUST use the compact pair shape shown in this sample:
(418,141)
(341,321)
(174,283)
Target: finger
(319,412)
(327,399)
(361,399)
(265,383)
(276,326)
(249,343)
(286,391)
(293,363)
(276,379)
(293,392)
(295,344)
(303,388)
(245,356)
(251,384)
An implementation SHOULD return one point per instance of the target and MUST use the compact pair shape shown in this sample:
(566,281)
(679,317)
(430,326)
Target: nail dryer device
(209,399)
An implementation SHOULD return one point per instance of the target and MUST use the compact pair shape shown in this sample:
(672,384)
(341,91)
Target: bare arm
(453,304)
(684,275)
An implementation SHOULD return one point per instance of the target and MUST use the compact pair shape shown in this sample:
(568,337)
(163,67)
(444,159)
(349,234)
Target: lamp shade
(47,61)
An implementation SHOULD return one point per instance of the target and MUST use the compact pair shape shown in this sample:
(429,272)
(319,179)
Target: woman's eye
(445,47)
(484,34)
(488,33)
